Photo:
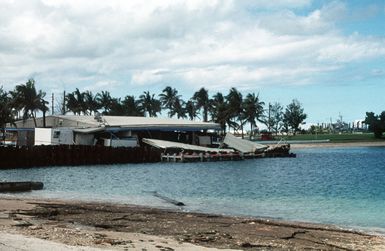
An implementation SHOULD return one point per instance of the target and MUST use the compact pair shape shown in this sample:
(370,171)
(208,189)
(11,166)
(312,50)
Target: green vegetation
(230,111)
(336,138)
(376,123)
(293,117)
(25,100)
(7,114)
(274,119)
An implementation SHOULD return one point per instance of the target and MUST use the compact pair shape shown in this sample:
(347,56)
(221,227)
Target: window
(56,134)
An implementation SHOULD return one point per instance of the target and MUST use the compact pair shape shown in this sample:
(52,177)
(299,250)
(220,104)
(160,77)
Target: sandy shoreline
(331,145)
(75,225)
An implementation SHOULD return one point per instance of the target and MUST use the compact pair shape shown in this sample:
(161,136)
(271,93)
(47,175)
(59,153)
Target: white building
(115,130)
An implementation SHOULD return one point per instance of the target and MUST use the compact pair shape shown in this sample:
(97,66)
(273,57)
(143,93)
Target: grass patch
(344,137)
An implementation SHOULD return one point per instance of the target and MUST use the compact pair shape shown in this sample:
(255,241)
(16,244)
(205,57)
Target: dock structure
(70,140)
(240,150)
(201,157)
(180,152)
(207,157)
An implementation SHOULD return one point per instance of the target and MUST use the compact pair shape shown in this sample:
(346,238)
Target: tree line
(376,123)
(232,110)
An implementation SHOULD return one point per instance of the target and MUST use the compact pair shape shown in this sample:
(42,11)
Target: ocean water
(340,186)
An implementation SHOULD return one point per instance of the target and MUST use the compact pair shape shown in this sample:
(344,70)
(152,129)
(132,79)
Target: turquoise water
(341,186)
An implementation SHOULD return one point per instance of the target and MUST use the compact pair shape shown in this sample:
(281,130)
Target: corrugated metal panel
(89,130)
(242,145)
(163,144)
(131,121)
(139,122)
(126,122)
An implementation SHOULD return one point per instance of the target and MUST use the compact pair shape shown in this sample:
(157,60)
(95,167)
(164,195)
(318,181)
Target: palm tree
(253,110)
(219,110)
(149,104)
(44,108)
(201,98)
(91,104)
(178,109)
(7,113)
(168,98)
(131,107)
(75,102)
(28,100)
(215,103)
(105,101)
(191,109)
(115,108)
(72,104)
(235,108)
(82,102)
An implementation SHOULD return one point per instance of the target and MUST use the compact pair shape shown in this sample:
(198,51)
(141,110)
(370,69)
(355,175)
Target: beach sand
(75,225)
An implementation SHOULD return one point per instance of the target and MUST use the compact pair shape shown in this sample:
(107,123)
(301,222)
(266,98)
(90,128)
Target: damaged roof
(124,122)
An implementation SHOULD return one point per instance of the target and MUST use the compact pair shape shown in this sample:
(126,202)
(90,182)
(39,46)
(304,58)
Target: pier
(201,157)
(208,157)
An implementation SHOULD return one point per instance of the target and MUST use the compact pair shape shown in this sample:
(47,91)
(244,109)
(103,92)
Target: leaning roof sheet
(242,145)
(141,122)
(163,144)
(89,130)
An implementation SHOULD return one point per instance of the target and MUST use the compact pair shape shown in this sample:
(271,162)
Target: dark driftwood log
(167,199)
(20,186)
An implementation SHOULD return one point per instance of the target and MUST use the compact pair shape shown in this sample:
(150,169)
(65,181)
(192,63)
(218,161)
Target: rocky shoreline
(127,227)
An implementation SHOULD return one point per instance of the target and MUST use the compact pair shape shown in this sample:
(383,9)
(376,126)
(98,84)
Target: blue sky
(330,55)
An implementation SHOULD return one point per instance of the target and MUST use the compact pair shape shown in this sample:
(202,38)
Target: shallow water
(342,186)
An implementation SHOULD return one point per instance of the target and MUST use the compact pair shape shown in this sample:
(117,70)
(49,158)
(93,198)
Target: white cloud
(335,10)
(101,85)
(147,77)
(105,44)
(277,4)
(344,50)
(378,72)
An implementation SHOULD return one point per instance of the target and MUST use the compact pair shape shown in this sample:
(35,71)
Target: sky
(329,55)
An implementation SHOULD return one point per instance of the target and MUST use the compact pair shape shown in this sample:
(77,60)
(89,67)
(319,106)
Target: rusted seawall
(73,155)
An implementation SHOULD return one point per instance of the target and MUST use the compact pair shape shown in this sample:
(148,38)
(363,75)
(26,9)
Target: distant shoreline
(338,144)
(119,226)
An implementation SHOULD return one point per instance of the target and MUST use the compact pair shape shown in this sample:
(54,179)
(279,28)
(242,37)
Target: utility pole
(52,103)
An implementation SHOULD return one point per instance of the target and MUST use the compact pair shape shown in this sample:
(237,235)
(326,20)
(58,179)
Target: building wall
(84,139)
(127,142)
(25,138)
(54,136)
(63,136)
(51,121)
(43,136)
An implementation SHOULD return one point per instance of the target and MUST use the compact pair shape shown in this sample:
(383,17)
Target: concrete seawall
(73,155)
